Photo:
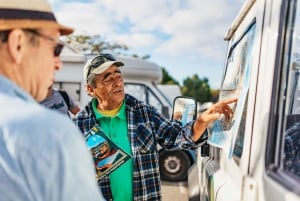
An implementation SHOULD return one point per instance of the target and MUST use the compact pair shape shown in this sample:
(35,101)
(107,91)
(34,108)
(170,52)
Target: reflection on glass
(291,148)
(184,109)
(235,84)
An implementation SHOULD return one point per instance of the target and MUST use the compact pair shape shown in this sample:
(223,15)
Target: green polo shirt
(115,127)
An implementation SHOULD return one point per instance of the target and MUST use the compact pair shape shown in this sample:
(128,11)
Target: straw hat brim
(7,24)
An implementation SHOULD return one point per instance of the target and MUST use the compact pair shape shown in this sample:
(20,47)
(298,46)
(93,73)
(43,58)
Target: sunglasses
(99,60)
(59,44)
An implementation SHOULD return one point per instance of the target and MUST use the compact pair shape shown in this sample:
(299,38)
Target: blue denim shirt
(42,154)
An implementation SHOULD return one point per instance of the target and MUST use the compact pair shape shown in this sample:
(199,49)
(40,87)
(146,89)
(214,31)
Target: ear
(90,90)
(16,45)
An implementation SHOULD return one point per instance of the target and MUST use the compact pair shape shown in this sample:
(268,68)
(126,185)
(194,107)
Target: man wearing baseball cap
(137,128)
(42,154)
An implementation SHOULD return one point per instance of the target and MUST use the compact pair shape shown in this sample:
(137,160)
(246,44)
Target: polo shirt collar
(121,114)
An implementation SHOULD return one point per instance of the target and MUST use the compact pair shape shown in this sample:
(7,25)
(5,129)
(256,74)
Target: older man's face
(41,63)
(109,89)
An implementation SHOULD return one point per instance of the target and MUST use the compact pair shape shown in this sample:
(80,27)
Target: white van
(141,78)
(251,158)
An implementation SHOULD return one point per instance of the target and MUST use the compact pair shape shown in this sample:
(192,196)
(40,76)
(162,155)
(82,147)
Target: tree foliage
(145,57)
(198,88)
(215,95)
(95,44)
(168,79)
(92,44)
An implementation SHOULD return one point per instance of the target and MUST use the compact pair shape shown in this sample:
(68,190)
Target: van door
(260,157)
(281,178)
(222,172)
(228,164)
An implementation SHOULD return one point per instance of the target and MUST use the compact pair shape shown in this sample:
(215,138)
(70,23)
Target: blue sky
(183,36)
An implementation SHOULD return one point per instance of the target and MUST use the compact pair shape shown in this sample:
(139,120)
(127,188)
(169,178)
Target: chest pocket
(145,139)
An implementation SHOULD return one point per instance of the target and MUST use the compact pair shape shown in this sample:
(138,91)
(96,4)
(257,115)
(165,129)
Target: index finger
(230,100)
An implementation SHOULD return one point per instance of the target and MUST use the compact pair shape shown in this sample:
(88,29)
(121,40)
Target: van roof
(134,69)
(237,21)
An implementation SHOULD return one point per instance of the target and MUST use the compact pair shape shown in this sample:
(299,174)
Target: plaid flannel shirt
(146,128)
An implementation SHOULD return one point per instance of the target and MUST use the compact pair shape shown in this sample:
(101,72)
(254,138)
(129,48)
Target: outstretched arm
(210,115)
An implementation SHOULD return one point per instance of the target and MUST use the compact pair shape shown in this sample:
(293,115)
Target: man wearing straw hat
(42,154)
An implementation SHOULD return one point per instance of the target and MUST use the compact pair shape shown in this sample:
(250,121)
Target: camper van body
(140,78)
(261,69)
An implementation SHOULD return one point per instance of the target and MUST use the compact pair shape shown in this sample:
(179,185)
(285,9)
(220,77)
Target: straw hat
(30,14)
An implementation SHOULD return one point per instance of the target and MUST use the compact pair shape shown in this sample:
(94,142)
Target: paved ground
(174,191)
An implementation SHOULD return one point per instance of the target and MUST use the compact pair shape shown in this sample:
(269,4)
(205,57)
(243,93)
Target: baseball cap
(99,64)
(29,14)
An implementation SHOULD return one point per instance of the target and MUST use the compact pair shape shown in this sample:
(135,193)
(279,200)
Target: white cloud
(165,28)
(136,40)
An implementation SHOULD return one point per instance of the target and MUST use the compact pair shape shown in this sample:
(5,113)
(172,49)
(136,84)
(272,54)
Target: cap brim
(103,67)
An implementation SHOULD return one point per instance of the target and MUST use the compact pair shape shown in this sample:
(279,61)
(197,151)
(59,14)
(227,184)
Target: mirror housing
(187,106)
(184,109)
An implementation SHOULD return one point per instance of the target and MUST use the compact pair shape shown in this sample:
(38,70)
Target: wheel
(174,165)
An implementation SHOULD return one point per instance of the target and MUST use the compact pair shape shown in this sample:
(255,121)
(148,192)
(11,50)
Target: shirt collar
(7,86)
(121,114)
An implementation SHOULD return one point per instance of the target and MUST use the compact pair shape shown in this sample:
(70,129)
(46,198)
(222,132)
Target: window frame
(280,102)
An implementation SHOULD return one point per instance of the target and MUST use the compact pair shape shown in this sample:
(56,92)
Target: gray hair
(5,33)
(4,36)
(91,80)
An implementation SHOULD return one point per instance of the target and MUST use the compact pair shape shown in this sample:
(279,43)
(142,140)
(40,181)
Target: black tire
(174,165)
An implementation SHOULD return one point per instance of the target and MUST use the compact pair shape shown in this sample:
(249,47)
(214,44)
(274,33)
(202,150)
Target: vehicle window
(143,93)
(291,148)
(154,101)
(236,84)
(136,90)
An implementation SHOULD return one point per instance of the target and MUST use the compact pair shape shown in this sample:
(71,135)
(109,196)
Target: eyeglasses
(59,44)
(99,60)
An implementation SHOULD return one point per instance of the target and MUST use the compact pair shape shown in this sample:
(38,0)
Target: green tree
(215,95)
(198,88)
(167,78)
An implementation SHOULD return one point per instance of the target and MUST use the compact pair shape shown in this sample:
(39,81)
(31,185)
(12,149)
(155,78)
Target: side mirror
(187,106)
(184,109)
